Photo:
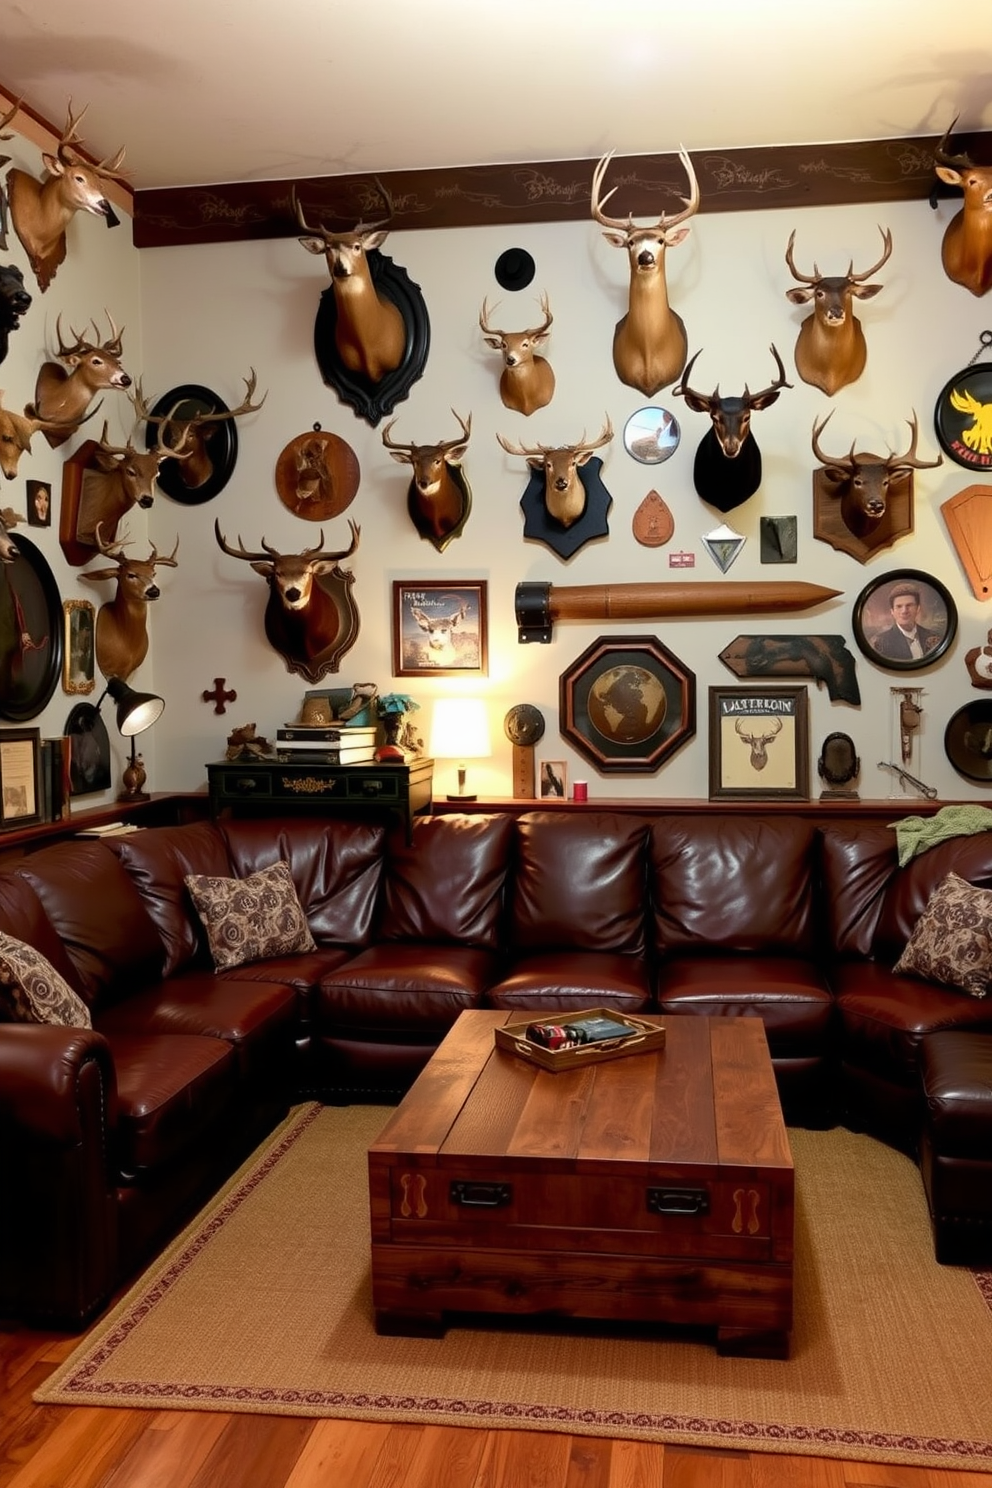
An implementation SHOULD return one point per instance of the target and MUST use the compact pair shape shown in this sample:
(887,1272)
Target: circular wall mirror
(651,435)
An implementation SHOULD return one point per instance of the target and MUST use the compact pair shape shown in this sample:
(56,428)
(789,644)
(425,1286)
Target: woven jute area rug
(264,1305)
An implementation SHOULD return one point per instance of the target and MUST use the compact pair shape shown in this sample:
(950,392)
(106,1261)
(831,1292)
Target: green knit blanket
(915,834)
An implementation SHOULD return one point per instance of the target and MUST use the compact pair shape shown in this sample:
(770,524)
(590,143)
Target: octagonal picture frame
(609,731)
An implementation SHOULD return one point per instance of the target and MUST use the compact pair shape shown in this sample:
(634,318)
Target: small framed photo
(39,503)
(440,629)
(552,780)
(20,778)
(904,620)
(759,744)
(79,649)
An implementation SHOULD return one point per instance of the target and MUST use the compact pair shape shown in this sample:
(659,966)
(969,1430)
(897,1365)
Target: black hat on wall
(514,269)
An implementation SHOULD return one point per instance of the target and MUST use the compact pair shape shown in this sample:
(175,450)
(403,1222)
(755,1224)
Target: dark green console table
(268,785)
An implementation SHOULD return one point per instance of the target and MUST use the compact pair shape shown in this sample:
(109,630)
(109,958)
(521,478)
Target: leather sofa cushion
(856,864)
(910,887)
(395,986)
(157,861)
(787,993)
(100,917)
(22,914)
(567,983)
(579,883)
(171,1090)
(733,883)
(446,886)
(336,865)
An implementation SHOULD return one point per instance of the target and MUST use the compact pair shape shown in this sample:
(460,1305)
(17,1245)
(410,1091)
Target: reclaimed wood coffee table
(654,1187)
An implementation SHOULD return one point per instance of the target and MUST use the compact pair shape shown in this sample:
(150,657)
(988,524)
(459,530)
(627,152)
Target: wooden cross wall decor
(218,696)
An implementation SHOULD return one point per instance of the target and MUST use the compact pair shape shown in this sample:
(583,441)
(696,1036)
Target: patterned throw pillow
(250,919)
(952,940)
(32,991)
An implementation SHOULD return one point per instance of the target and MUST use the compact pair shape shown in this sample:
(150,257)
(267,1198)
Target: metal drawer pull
(482,1195)
(245,783)
(678,1201)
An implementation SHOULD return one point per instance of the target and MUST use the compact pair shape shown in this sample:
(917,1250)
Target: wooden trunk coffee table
(655,1187)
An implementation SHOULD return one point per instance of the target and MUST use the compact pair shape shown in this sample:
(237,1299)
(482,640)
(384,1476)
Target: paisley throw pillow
(32,991)
(952,940)
(250,919)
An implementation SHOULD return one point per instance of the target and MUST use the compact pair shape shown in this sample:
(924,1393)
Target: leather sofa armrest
(58,1108)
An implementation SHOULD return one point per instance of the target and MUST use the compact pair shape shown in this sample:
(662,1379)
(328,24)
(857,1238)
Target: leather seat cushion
(171,1089)
(884,1017)
(787,993)
(395,986)
(570,981)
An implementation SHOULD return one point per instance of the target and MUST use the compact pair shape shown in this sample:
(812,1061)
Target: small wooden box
(644,1037)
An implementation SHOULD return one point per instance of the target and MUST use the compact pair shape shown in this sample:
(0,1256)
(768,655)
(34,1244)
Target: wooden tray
(644,1038)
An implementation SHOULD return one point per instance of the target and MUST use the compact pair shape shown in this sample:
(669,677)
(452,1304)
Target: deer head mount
(438,498)
(191,425)
(527,381)
(649,343)
(122,622)
(310,618)
(42,210)
(727,467)
(872,494)
(16,433)
(65,395)
(831,350)
(966,249)
(115,478)
(564,493)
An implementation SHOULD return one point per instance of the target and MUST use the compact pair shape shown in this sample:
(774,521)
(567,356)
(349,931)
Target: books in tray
(643,1038)
(327,754)
(311,736)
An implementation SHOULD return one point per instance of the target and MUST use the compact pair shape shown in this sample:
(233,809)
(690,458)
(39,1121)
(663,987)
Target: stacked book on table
(325,744)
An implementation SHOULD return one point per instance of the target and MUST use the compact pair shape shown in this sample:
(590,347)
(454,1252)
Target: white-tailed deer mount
(564,493)
(831,350)
(438,498)
(966,249)
(190,426)
(122,623)
(115,478)
(863,502)
(727,467)
(527,381)
(311,618)
(565,503)
(16,432)
(649,343)
(65,396)
(42,210)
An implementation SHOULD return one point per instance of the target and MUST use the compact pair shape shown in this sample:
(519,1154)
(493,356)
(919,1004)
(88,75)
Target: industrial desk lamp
(460,731)
(136,711)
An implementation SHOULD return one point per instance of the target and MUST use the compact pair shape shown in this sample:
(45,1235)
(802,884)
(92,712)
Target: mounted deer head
(863,481)
(116,478)
(649,343)
(831,350)
(527,381)
(370,333)
(41,211)
(966,250)
(564,493)
(438,497)
(122,623)
(66,395)
(727,468)
(192,435)
(16,431)
(8,519)
(309,622)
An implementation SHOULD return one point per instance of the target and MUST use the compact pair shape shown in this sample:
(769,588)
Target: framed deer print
(440,629)
(759,744)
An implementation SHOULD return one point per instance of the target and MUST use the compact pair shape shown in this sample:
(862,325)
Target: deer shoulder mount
(966,249)
(649,343)
(863,487)
(16,433)
(192,433)
(560,466)
(122,622)
(727,467)
(831,350)
(63,394)
(527,381)
(311,618)
(439,498)
(42,210)
(115,478)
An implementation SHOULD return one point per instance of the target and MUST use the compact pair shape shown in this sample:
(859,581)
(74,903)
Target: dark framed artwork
(552,780)
(30,633)
(89,751)
(440,629)
(959,419)
(627,703)
(904,620)
(759,744)
(39,503)
(79,646)
(20,778)
(203,475)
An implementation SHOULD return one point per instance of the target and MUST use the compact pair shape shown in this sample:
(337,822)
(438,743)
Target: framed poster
(20,778)
(78,666)
(440,629)
(626,704)
(30,633)
(904,620)
(759,744)
(39,503)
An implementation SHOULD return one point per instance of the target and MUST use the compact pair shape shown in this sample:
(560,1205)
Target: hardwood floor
(59,1447)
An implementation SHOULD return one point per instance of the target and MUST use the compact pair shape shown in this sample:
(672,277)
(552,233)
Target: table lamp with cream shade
(460,731)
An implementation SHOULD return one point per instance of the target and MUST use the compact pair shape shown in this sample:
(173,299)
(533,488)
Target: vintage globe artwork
(627,704)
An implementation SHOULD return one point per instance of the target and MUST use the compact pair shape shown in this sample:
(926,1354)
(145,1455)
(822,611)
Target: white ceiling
(225,90)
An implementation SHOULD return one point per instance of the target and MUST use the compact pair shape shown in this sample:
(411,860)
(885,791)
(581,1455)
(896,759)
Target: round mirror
(651,435)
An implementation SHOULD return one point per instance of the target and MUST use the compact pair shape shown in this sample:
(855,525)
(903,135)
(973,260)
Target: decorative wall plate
(653,524)
(627,703)
(968,741)
(176,477)
(89,750)
(963,417)
(31,625)
(317,475)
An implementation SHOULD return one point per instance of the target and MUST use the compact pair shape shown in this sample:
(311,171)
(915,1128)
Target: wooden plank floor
(60,1447)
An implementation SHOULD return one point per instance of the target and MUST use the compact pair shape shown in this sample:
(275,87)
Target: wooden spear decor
(539,605)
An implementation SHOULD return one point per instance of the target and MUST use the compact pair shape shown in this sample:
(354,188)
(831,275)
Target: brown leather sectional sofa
(109,1136)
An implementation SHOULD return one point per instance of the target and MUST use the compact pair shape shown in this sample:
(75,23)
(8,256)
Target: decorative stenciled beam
(539,605)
